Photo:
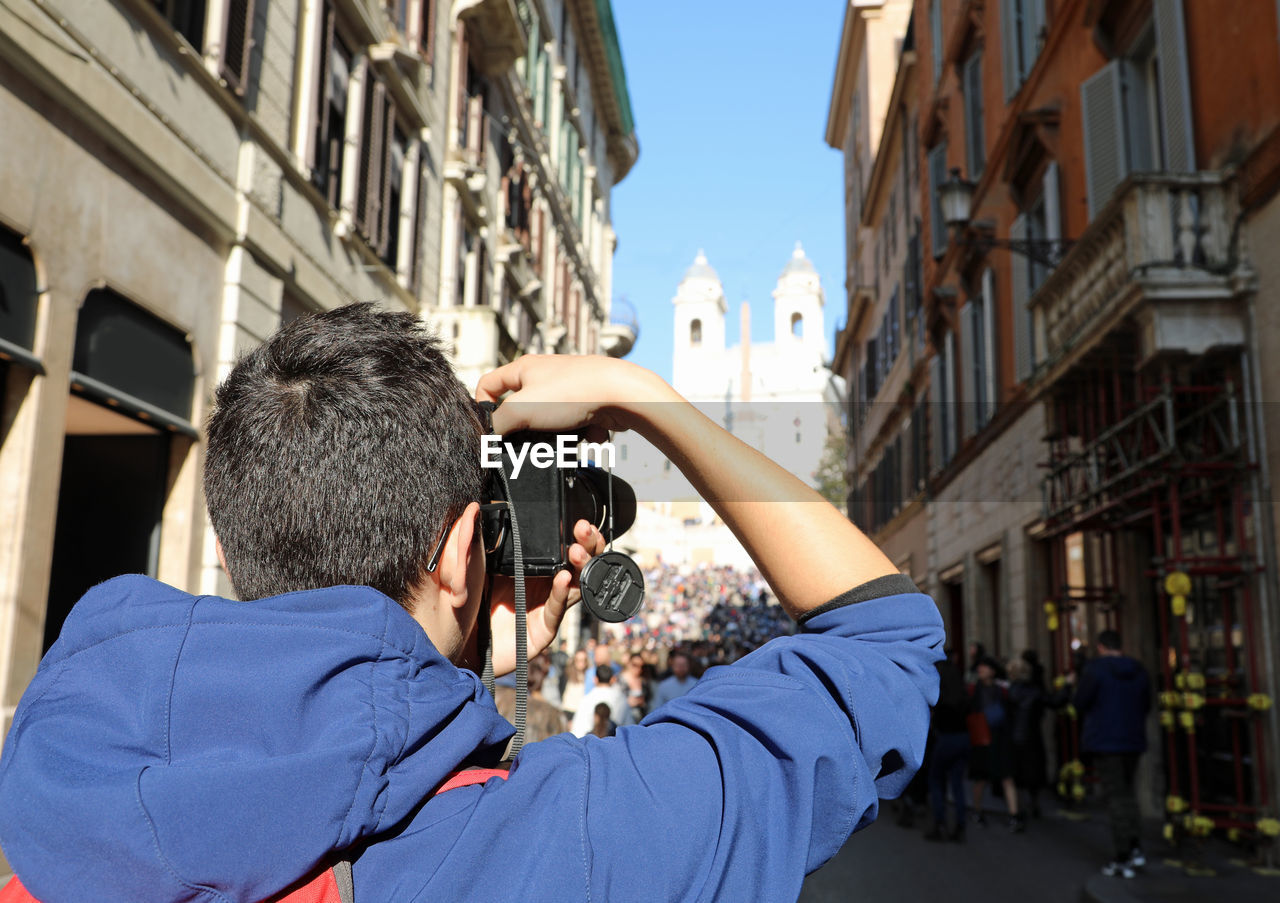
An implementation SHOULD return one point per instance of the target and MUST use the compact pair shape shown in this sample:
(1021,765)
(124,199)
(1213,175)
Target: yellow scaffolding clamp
(1192,701)
(1175,804)
(1051,616)
(1197,825)
(1187,720)
(1259,702)
(1269,827)
(1170,700)
(1178,585)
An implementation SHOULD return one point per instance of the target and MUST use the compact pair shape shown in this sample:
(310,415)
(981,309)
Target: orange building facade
(1097,206)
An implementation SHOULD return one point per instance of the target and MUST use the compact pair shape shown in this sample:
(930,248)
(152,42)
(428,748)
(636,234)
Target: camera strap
(522,629)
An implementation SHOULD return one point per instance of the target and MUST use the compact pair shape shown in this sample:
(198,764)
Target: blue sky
(730,103)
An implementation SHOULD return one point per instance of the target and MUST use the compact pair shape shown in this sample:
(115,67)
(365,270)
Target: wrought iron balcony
(1165,251)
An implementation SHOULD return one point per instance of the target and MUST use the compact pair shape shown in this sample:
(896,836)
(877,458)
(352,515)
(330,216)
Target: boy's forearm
(807,550)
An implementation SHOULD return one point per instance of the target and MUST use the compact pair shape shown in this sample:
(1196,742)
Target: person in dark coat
(1113,697)
(950,735)
(1027,700)
(993,763)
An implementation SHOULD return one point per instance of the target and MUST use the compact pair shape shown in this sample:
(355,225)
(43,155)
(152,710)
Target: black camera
(540,483)
(551,489)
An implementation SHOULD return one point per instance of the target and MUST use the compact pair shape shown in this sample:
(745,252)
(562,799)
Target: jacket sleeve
(734,791)
(759,774)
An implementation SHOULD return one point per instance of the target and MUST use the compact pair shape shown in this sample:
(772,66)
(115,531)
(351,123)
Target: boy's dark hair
(1109,639)
(338,451)
(604,674)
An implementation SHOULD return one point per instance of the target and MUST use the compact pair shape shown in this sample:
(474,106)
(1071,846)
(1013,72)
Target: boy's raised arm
(807,550)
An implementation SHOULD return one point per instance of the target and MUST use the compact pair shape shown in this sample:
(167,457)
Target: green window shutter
(1175,87)
(1105,156)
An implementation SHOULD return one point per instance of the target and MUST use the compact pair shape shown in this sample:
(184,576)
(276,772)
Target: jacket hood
(175,747)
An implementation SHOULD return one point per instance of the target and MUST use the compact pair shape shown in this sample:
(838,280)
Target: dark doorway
(109,507)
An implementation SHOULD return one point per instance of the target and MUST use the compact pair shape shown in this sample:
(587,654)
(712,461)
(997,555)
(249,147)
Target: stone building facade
(181,177)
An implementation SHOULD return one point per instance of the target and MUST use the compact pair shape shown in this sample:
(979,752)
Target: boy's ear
(222,556)
(455,563)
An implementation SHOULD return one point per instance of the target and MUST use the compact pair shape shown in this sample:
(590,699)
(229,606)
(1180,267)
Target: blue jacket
(175,747)
(1113,697)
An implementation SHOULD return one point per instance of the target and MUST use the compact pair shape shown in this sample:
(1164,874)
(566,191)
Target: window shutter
(1175,88)
(427,30)
(324,84)
(1032,22)
(989,341)
(1010,46)
(950,415)
(937,420)
(1105,156)
(968,369)
(1019,284)
(369,192)
(1052,203)
(419,224)
(237,44)
(463,111)
(937,175)
(974,137)
(388,160)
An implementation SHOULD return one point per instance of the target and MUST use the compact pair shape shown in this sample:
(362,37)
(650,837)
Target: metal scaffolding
(1167,465)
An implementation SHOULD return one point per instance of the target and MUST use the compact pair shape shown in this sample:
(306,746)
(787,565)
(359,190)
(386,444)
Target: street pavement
(1056,861)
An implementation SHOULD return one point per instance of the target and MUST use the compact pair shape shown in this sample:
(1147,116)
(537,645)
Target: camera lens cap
(612,587)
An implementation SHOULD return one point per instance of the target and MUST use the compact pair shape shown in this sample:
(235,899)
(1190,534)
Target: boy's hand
(555,392)
(548,599)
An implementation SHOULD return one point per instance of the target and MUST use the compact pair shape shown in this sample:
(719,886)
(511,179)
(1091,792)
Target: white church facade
(779,397)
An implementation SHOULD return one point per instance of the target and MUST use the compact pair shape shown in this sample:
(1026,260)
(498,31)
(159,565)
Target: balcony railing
(1164,250)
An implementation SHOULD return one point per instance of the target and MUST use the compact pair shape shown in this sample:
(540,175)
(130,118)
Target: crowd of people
(693,619)
(988,728)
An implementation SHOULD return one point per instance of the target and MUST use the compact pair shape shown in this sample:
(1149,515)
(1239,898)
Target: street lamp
(955,197)
(955,200)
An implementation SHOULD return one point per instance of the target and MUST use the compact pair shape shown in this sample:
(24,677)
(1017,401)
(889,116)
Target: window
(19,297)
(942,401)
(237,45)
(1137,109)
(426,37)
(1021,22)
(797,326)
(978,384)
(937,175)
(695,333)
(1042,222)
(328,143)
(398,11)
(373,211)
(186,17)
(975,139)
